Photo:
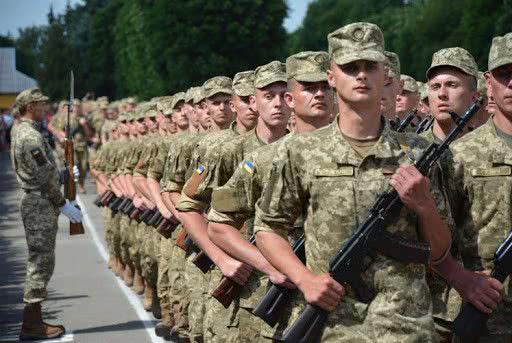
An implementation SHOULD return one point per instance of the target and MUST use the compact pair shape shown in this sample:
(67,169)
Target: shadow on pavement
(131,325)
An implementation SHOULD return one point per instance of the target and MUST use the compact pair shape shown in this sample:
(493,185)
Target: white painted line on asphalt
(133,299)
(64,339)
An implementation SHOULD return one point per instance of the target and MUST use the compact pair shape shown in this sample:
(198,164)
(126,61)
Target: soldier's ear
(252,103)
(288,97)
(330,78)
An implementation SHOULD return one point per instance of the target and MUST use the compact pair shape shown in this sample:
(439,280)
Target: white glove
(76,173)
(73,213)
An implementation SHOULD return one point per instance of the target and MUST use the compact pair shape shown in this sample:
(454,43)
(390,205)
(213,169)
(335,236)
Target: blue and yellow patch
(200,169)
(249,167)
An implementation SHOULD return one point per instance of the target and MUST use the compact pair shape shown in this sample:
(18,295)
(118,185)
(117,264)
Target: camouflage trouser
(134,246)
(40,223)
(149,260)
(220,324)
(107,222)
(125,233)
(179,291)
(164,264)
(198,281)
(81,160)
(116,234)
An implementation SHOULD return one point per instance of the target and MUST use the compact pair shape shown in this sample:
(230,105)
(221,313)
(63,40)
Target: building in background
(12,81)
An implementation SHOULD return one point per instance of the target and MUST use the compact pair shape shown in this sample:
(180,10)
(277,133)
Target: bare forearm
(140,183)
(129,185)
(229,239)
(166,198)
(197,228)
(154,190)
(280,254)
(435,232)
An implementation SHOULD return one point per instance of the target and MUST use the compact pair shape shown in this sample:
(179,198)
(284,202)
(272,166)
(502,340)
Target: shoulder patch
(249,167)
(195,180)
(38,156)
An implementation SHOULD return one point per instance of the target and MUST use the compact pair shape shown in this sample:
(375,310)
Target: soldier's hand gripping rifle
(470,324)
(347,265)
(69,162)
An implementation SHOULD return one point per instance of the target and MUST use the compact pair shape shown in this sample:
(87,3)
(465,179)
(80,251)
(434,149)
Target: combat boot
(155,305)
(163,328)
(128,275)
(138,282)
(33,327)
(148,297)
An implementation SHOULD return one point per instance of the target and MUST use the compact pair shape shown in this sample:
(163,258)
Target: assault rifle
(347,265)
(271,307)
(228,290)
(407,121)
(69,161)
(470,324)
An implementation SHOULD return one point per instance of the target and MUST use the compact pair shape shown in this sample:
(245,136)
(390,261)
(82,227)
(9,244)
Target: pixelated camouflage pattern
(455,57)
(307,66)
(269,73)
(482,180)
(322,177)
(500,53)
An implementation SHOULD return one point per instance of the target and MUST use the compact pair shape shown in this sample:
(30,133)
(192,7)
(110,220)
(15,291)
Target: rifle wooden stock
(107,197)
(203,262)
(167,227)
(227,291)
(135,215)
(145,216)
(155,219)
(180,240)
(97,201)
(69,185)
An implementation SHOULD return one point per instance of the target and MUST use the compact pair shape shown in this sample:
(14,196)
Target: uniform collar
(387,147)
(501,151)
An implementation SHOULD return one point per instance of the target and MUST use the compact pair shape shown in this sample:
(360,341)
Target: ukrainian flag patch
(200,169)
(249,167)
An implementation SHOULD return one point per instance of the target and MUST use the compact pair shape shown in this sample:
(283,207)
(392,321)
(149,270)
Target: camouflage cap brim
(226,91)
(366,55)
(312,77)
(244,91)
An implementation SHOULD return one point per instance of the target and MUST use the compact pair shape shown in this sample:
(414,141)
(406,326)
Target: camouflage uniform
(315,173)
(38,176)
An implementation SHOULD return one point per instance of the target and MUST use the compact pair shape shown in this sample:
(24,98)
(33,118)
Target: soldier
(482,181)
(40,205)
(233,204)
(331,176)
(408,98)
(214,169)
(452,86)
(392,88)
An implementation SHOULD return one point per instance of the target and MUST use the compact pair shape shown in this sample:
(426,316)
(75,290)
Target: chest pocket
(490,191)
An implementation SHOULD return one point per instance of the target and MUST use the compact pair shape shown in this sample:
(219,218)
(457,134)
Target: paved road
(83,294)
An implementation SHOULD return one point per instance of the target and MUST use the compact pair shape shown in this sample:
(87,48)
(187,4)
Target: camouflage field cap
(243,83)
(307,66)
(481,85)
(216,85)
(454,57)
(164,105)
(76,102)
(501,51)
(30,95)
(393,63)
(269,73)
(189,95)
(131,100)
(198,95)
(356,41)
(102,99)
(410,84)
(177,98)
(423,90)
(151,113)
(122,118)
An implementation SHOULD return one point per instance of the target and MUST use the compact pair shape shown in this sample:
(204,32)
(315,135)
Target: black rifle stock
(167,227)
(470,323)
(271,307)
(347,265)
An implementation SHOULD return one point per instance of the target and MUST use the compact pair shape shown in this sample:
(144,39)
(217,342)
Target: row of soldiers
(239,169)
(90,125)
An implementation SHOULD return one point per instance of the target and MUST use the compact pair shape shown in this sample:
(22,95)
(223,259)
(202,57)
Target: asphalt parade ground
(83,294)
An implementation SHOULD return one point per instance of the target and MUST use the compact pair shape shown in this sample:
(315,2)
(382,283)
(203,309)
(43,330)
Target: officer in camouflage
(40,205)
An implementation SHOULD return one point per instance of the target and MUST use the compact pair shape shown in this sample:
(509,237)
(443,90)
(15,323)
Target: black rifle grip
(470,324)
(272,305)
(308,327)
